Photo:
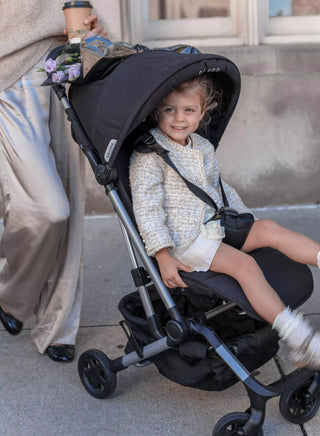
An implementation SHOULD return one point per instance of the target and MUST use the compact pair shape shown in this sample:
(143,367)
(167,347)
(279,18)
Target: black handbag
(236,225)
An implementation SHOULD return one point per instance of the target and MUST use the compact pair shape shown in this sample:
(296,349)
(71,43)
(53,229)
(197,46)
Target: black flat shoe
(61,352)
(10,323)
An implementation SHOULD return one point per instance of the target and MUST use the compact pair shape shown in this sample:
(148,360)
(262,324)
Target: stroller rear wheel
(297,405)
(232,424)
(95,373)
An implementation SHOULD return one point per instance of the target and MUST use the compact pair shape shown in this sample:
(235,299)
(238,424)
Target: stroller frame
(178,330)
(299,391)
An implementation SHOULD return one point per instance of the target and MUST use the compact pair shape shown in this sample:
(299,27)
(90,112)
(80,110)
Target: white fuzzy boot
(303,342)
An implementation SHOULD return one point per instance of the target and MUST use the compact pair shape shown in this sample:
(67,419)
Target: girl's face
(180,114)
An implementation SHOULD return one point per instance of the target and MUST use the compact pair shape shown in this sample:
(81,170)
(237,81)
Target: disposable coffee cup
(75,13)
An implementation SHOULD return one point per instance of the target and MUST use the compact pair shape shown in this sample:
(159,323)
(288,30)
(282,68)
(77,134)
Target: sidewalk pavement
(40,397)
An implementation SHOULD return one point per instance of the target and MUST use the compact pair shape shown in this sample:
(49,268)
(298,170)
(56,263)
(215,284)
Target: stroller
(206,336)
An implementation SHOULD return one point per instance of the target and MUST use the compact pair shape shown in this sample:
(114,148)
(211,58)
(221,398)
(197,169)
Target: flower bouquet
(66,67)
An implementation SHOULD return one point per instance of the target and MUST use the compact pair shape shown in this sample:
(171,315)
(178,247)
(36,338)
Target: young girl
(172,220)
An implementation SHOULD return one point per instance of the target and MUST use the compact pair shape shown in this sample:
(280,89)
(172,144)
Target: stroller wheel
(298,406)
(95,373)
(232,424)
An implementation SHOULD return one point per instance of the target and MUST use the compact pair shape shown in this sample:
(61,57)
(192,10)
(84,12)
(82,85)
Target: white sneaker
(302,341)
(308,353)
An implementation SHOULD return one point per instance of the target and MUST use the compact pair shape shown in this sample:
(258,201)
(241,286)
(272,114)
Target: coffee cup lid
(77,4)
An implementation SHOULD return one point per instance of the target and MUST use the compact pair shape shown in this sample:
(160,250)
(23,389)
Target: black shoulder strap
(146,144)
(224,197)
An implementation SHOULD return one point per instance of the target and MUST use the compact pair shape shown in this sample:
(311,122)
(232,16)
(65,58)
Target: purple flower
(50,66)
(74,71)
(59,76)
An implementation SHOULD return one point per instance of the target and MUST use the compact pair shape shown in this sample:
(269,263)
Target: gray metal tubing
(132,254)
(135,239)
(145,300)
(221,349)
(147,305)
(214,312)
(235,365)
(65,103)
(148,351)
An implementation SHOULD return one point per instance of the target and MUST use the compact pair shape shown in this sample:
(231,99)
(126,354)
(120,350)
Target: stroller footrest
(291,381)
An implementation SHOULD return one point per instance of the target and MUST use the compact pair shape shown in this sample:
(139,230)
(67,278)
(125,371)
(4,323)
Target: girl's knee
(268,231)
(233,262)
(267,225)
(246,266)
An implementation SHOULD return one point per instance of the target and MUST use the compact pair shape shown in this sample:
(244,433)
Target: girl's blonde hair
(210,95)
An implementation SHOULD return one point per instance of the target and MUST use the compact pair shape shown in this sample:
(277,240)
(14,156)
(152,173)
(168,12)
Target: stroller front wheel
(298,406)
(232,424)
(95,373)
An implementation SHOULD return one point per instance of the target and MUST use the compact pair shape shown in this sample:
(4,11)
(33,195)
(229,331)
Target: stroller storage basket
(192,363)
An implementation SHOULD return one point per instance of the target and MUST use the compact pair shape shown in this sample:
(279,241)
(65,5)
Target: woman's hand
(169,267)
(96,27)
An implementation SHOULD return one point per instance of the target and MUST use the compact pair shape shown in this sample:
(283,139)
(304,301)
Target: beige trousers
(43,186)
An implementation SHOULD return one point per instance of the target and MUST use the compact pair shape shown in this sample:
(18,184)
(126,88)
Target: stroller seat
(292,281)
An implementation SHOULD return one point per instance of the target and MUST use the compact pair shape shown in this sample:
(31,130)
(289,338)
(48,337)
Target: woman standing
(42,181)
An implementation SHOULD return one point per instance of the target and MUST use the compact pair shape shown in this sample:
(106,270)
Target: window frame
(227,29)
(288,29)
(249,24)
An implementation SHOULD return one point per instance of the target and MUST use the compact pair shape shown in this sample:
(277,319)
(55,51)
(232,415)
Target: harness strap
(147,144)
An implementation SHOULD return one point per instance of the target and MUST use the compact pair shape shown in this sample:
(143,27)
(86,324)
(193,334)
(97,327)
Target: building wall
(305,7)
(271,149)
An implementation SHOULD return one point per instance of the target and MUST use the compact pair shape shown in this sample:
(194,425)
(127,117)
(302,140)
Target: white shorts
(199,254)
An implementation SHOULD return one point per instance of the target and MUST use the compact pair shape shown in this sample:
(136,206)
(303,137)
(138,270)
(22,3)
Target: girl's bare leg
(267,233)
(303,343)
(246,271)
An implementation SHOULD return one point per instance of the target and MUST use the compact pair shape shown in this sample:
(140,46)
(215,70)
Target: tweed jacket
(167,213)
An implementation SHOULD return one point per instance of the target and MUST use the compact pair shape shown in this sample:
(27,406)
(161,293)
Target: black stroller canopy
(112,108)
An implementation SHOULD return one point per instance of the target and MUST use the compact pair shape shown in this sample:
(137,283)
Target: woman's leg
(36,206)
(298,247)
(58,311)
(42,180)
